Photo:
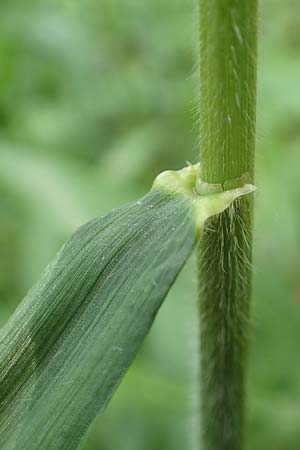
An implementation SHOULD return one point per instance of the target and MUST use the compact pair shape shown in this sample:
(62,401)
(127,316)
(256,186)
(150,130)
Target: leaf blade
(73,346)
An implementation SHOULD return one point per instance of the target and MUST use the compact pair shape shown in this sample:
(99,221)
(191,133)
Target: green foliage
(117,112)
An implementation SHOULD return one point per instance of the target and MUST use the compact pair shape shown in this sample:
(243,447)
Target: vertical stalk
(228,41)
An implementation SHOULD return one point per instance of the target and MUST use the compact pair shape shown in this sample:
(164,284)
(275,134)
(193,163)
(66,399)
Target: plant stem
(228,41)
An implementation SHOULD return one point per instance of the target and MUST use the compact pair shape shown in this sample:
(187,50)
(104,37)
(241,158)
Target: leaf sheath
(228,40)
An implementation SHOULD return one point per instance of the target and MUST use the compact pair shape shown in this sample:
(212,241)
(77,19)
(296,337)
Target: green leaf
(66,348)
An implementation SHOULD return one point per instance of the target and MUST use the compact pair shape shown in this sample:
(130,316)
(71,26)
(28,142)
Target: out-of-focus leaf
(43,184)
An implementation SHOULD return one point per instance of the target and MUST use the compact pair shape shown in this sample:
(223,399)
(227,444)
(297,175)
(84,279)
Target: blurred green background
(96,99)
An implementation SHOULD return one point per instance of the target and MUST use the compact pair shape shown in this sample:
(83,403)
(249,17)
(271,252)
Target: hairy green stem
(228,41)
